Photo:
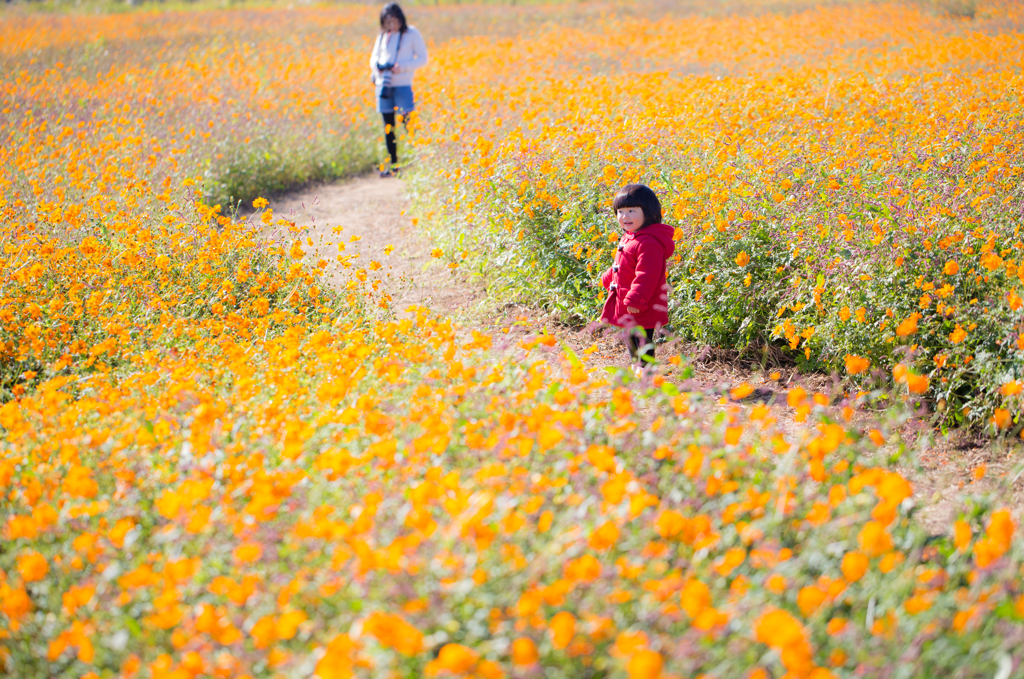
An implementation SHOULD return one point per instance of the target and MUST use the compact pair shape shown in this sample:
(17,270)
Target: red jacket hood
(662,233)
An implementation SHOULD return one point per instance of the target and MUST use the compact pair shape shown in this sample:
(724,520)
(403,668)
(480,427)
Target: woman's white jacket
(412,54)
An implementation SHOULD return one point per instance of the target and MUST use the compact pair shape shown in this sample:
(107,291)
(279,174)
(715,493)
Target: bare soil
(360,219)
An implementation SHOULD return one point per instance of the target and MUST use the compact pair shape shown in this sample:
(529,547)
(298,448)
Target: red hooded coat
(637,278)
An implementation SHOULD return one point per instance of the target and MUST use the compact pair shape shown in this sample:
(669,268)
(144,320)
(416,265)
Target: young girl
(636,282)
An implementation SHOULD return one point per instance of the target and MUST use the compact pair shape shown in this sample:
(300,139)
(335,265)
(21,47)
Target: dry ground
(371,214)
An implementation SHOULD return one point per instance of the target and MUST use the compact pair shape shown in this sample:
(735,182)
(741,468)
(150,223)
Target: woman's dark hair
(639,195)
(393,10)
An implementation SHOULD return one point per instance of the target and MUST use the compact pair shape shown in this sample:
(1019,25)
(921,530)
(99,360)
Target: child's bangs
(623,200)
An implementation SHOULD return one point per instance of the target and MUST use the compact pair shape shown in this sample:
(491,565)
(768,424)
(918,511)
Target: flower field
(215,464)
(848,179)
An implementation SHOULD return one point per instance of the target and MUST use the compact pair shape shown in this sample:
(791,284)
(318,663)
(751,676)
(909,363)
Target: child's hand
(632,310)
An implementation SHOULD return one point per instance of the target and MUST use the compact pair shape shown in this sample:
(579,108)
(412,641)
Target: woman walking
(397,53)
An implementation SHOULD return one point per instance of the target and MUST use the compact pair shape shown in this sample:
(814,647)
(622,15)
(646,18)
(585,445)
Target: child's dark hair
(641,196)
(393,10)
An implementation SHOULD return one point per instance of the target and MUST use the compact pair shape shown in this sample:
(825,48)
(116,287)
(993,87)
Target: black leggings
(389,135)
(640,343)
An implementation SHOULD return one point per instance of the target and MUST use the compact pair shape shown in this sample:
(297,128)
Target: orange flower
(563,628)
(392,631)
(809,599)
(248,552)
(695,597)
(287,624)
(627,644)
(1000,529)
(583,569)
(961,535)
(77,596)
(951,268)
(917,603)
(741,391)
(874,540)
(646,664)
(604,537)
(730,560)
(32,566)
(777,628)
(79,482)
(14,601)
(263,632)
(776,583)
(917,384)
(1011,388)
(908,326)
(855,565)
(454,659)
(856,365)
(524,652)
(670,524)
(836,626)
(338,660)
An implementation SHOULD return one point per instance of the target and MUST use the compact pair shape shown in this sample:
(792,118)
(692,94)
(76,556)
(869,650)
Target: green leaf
(573,358)
(1008,609)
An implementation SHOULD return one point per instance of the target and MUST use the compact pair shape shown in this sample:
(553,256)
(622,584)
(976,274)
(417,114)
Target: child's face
(630,218)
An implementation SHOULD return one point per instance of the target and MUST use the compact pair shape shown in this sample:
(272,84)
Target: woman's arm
(374,56)
(419,51)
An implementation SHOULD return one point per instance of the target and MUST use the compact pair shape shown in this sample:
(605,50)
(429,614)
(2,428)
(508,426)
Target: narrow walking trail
(361,218)
(371,214)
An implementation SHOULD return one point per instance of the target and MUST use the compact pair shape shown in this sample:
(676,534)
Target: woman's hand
(396,69)
(632,310)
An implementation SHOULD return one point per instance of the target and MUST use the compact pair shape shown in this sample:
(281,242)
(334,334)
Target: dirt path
(366,215)
(360,218)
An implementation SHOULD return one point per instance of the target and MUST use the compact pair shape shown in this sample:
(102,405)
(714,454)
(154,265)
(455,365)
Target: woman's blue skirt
(395,99)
